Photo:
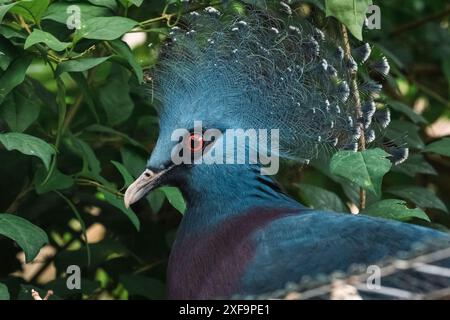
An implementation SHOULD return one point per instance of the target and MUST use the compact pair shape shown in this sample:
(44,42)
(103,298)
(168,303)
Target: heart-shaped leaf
(365,168)
(350,12)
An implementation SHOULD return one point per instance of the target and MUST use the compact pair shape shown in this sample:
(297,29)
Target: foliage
(76,128)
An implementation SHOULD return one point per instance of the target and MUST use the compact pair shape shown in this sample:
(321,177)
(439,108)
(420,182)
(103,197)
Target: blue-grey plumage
(241,233)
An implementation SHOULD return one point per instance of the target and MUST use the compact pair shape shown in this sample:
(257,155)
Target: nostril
(147,174)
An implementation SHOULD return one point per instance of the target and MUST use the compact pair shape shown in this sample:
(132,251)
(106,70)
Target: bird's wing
(315,243)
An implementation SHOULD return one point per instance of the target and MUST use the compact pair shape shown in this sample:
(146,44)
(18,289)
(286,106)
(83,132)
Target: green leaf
(127,177)
(394,209)
(319,198)
(175,198)
(5,8)
(366,168)
(350,12)
(11,33)
(91,165)
(20,108)
(4,293)
(134,161)
(79,65)
(29,237)
(100,129)
(104,28)
(13,76)
(57,181)
(118,203)
(415,164)
(261,4)
(100,252)
(7,54)
(58,12)
(31,10)
(399,130)
(138,285)
(28,145)
(123,50)
(421,197)
(111,4)
(38,36)
(88,92)
(406,110)
(156,200)
(441,147)
(115,98)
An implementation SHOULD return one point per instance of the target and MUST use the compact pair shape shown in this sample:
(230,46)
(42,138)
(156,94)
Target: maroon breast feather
(211,264)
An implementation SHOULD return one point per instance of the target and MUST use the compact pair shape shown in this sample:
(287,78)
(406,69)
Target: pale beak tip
(127,200)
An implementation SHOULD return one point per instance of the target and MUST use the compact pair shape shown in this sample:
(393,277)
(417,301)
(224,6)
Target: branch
(36,295)
(354,95)
(412,25)
(16,203)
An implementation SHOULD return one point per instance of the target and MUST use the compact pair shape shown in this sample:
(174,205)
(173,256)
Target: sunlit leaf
(104,28)
(350,12)
(39,36)
(79,65)
(59,12)
(31,10)
(366,168)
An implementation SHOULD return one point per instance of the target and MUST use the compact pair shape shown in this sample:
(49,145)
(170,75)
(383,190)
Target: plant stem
(354,95)
(92,183)
(415,24)
(16,203)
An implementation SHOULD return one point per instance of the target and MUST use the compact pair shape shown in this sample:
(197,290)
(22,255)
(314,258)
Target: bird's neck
(217,193)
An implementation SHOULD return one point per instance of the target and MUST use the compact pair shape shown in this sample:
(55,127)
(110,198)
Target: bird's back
(264,249)
(320,243)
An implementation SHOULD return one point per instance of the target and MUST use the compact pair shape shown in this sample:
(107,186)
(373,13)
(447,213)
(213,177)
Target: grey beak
(145,183)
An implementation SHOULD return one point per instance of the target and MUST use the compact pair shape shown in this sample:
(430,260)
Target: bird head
(254,73)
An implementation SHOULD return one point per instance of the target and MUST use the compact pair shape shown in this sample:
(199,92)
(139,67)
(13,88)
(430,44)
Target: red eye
(195,142)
